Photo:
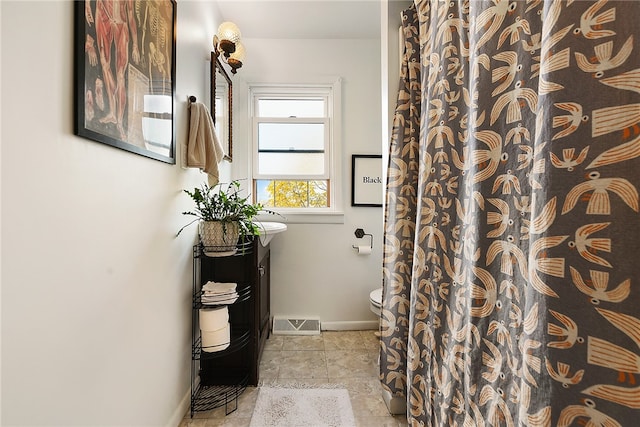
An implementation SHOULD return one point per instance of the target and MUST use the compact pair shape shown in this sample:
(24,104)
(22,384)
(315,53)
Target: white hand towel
(204,150)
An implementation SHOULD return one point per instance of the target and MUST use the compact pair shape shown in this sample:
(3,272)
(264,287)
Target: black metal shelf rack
(218,378)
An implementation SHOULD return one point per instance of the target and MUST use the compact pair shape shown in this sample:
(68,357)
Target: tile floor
(349,358)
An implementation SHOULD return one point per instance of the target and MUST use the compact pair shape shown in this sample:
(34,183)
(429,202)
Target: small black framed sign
(366,180)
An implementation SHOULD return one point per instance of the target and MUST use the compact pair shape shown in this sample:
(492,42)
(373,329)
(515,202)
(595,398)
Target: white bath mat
(312,407)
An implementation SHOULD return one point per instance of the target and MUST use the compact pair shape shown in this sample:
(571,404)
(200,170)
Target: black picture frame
(126,97)
(366,180)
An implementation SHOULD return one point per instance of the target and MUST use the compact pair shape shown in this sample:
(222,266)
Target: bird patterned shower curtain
(512,227)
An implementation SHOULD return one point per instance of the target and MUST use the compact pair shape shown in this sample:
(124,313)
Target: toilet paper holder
(360,234)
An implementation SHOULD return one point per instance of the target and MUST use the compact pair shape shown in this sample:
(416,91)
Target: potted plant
(223,216)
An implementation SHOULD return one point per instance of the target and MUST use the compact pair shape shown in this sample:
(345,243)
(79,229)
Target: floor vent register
(289,326)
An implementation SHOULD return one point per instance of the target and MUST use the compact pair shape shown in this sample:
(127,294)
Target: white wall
(95,287)
(315,270)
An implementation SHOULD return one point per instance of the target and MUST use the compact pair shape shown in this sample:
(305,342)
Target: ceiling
(304,19)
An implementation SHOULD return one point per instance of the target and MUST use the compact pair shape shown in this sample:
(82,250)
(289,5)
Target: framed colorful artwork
(366,180)
(125,75)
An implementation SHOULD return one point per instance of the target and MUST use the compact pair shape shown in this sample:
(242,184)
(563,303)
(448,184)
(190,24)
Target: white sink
(269,229)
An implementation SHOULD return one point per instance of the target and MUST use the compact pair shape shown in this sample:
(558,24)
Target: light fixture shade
(228,31)
(239,53)
(236,58)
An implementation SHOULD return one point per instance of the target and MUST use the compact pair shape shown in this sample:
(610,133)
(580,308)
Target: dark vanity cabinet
(219,377)
(263,297)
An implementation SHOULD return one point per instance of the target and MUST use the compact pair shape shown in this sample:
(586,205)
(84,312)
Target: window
(295,159)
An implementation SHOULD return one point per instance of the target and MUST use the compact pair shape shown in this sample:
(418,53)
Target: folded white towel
(219,287)
(219,299)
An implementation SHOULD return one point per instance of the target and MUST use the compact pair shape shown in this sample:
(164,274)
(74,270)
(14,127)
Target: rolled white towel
(212,319)
(216,340)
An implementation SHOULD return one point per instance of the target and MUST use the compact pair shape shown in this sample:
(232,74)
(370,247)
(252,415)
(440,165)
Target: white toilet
(375,301)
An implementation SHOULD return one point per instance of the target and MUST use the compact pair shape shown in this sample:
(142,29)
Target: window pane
(291,108)
(219,106)
(292,194)
(290,136)
(291,163)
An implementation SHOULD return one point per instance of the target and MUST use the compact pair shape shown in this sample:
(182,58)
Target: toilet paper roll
(364,250)
(213,319)
(213,341)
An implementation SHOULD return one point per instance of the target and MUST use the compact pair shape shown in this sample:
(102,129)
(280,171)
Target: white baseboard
(181,410)
(358,325)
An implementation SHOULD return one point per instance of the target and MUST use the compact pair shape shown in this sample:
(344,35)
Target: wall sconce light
(226,43)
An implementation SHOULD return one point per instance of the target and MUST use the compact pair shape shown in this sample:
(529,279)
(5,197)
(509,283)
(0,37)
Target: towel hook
(360,234)
(192,98)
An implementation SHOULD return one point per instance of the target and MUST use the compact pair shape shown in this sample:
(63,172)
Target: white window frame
(333,162)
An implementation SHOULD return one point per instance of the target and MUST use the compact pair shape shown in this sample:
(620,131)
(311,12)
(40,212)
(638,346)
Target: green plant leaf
(220,203)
